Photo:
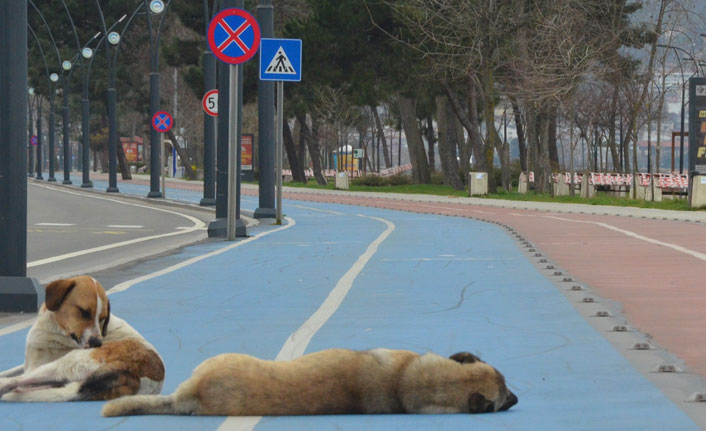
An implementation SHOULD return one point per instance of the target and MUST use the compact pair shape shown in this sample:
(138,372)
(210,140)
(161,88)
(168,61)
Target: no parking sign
(162,122)
(234,36)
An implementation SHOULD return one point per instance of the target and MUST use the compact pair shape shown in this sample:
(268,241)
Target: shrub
(437,178)
(370,180)
(399,180)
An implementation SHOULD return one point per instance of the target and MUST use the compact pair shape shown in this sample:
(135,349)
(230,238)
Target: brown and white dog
(76,350)
(334,381)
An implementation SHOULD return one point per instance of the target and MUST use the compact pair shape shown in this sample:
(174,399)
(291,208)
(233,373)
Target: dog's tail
(149,405)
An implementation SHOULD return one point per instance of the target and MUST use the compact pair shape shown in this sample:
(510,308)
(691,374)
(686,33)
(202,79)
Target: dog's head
(488,390)
(81,308)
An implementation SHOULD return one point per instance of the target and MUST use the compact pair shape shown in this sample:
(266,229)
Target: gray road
(73,232)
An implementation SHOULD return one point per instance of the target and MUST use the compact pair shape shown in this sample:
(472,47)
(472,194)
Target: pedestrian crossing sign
(281,60)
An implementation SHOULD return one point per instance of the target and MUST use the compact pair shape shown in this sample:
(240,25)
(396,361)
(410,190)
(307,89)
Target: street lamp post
(209,122)
(156,7)
(17,291)
(266,121)
(53,78)
(67,66)
(30,127)
(87,54)
(113,40)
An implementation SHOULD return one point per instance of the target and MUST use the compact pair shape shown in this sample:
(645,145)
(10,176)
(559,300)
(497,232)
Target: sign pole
(161,168)
(278,157)
(232,149)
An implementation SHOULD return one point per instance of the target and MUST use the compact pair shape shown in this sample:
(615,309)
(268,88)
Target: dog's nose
(509,402)
(95,342)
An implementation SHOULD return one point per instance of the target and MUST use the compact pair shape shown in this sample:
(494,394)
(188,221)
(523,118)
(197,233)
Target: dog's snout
(95,342)
(509,402)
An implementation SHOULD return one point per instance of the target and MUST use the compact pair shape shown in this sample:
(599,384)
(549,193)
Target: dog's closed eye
(85,314)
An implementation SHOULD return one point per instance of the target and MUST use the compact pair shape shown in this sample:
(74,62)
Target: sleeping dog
(335,381)
(76,350)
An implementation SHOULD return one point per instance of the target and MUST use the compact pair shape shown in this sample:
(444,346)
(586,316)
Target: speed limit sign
(210,103)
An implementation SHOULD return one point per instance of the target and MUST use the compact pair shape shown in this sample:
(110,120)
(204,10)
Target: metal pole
(17,293)
(13,126)
(681,134)
(65,137)
(161,168)
(52,136)
(232,151)
(112,139)
(155,140)
(85,127)
(239,224)
(40,140)
(209,135)
(30,151)
(266,130)
(279,145)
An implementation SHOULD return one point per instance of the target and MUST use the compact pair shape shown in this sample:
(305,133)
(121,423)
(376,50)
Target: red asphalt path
(662,289)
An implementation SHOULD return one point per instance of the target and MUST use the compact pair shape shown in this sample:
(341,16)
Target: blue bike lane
(436,283)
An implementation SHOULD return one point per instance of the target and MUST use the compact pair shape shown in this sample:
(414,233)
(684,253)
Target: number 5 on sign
(210,103)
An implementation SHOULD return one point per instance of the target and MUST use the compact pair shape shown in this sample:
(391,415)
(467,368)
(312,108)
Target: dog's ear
(465,358)
(56,292)
(104,329)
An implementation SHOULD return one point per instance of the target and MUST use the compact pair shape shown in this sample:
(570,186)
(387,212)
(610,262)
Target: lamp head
(157,6)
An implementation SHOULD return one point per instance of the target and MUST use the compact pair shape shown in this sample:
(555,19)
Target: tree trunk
(553,153)
(314,148)
(188,171)
(446,125)
(415,145)
(545,169)
(521,141)
(122,163)
(294,166)
(611,130)
(381,136)
(430,142)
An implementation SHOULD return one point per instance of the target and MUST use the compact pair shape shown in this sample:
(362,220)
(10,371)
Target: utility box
(477,184)
(698,191)
(342,182)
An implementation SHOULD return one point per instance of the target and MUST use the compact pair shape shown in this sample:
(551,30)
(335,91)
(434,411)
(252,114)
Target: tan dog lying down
(76,350)
(334,381)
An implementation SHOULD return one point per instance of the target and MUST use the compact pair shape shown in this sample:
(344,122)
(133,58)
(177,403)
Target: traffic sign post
(234,38)
(280,60)
(162,122)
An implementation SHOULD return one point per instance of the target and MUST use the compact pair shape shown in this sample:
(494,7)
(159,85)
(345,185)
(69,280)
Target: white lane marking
(676,247)
(129,283)
(127,226)
(55,224)
(297,342)
(198,225)
(316,209)
(16,327)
